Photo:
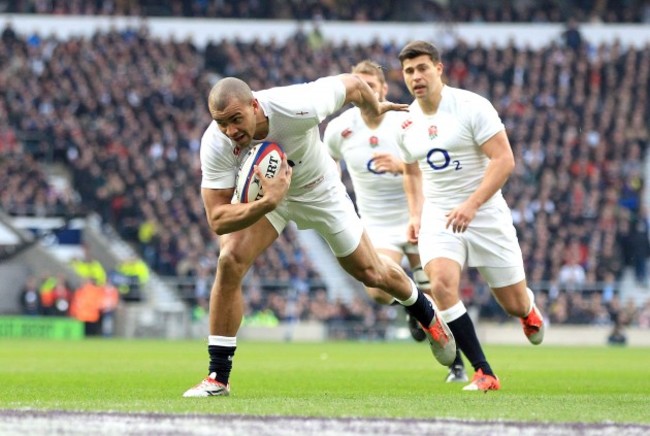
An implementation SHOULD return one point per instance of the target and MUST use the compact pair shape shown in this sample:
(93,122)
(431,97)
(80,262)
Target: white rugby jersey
(447,145)
(294,113)
(380,196)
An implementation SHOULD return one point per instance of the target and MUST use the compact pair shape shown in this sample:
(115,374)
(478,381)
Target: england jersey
(294,113)
(447,146)
(380,195)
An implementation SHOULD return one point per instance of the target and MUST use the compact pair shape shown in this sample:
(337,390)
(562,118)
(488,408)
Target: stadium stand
(490,11)
(123,112)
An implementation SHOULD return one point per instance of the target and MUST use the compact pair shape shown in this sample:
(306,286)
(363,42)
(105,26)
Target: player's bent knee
(235,265)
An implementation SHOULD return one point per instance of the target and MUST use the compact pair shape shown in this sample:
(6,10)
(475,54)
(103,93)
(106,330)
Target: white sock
(223,341)
(532,300)
(410,301)
(454,312)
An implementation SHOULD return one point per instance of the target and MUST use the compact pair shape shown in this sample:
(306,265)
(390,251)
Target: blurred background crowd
(541,11)
(124,112)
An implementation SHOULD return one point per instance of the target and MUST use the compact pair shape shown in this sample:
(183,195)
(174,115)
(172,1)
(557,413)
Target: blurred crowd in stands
(94,301)
(124,112)
(611,11)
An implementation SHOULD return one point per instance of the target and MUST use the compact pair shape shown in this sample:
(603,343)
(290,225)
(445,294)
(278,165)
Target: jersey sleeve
(332,139)
(327,96)
(218,168)
(485,120)
(405,136)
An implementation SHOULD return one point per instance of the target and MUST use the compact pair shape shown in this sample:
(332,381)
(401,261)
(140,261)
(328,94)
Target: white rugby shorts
(490,243)
(391,238)
(326,208)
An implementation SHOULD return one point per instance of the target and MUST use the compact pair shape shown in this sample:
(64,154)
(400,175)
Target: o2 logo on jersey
(371,167)
(438,159)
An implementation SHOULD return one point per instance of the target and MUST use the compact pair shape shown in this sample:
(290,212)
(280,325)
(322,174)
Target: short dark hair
(418,48)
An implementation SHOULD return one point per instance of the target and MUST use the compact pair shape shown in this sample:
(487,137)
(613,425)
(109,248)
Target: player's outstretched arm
(360,94)
(224,217)
(413,190)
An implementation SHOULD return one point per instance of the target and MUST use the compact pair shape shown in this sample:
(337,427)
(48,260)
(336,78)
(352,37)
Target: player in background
(306,190)
(457,157)
(369,146)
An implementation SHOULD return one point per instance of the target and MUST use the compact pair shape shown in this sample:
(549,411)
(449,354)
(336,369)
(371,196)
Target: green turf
(337,379)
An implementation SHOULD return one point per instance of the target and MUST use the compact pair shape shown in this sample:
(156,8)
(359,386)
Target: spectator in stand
(30,297)
(87,267)
(132,275)
(108,306)
(572,275)
(62,296)
(87,306)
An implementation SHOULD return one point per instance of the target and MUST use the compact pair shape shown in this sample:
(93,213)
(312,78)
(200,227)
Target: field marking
(37,422)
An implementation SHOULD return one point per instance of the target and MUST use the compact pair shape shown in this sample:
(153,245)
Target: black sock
(467,341)
(458,361)
(422,310)
(221,361)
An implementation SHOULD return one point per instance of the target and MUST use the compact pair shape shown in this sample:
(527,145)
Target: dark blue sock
(422,310)
(221,361)
(467,341)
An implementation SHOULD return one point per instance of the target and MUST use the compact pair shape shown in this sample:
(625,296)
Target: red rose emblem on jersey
(373,141)
(433,132)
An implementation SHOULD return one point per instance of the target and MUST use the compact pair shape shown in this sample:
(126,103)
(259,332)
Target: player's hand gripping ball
(267,156)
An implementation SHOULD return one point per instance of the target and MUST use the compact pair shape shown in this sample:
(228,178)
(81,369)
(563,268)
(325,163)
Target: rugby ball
(267,156)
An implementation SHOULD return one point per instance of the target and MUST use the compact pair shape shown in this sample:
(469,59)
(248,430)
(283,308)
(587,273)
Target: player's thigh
(241,248)
(492,242)
(438,245)
(363,259)
(333,216)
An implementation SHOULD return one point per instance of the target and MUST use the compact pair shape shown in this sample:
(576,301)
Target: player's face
(422,76)
(379,88)
(238,121)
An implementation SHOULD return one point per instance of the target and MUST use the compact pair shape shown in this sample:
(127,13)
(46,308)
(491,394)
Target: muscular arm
(359,93)
(224,217)
(501,165)
(413,190)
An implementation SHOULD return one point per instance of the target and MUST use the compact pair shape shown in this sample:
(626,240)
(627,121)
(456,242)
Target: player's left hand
(385,106)
(413,230)
(460,217)
(386,162)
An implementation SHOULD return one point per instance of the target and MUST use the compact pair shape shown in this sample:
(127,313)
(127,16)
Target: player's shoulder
(296,89)
(407,119)
(463,96)
(212,134)
(213,140)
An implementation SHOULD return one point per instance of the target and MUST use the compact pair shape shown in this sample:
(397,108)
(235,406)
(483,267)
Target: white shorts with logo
(490,243)
(391,238)
(326,208)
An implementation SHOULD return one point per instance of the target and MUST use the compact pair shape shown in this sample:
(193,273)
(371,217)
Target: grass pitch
(334,379)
